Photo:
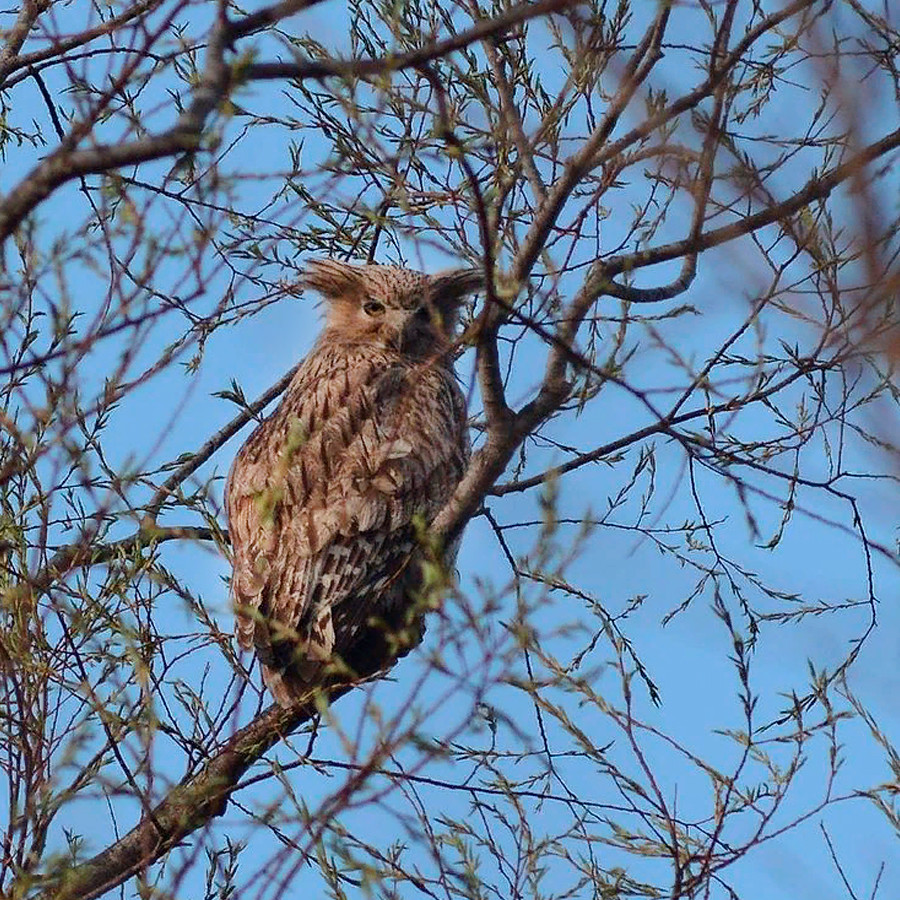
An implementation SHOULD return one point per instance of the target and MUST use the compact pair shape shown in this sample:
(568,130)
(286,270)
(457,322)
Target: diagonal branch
(188,806)
(815,189)
(646,55)
(189,466)
(597,152)
(67,163)
(12,62)
(599,280)
(16,36)
(415,59)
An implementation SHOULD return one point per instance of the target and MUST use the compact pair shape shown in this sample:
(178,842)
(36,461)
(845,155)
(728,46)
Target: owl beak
(433,316)
(424,324)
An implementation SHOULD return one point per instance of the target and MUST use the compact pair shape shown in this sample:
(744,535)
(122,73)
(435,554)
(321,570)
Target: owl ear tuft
(333,279)
(449,288)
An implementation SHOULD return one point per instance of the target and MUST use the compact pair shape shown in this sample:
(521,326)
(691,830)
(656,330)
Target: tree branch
(16,36)
(189,466)
(188,806)
(66,163)
(583,162)
(815,189)
(366,68)
(665,425)
(10,63)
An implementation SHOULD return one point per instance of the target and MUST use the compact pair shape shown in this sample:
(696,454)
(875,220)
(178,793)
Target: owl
(329,499)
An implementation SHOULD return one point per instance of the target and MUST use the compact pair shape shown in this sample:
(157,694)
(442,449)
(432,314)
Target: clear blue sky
(688,658)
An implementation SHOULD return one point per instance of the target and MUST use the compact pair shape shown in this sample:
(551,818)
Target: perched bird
(329,498)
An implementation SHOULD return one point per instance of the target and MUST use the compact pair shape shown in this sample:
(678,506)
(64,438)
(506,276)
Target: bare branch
(15,62)
(367,68)
(186,807)
(815,189)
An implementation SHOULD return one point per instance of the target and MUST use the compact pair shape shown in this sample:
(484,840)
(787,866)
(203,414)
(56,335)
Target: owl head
(392,307)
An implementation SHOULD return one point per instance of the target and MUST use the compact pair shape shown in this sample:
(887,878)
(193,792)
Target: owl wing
(321,500)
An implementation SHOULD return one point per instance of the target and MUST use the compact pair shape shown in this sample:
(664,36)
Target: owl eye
(373,308)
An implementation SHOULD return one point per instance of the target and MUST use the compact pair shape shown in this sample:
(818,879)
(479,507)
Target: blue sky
(688,658)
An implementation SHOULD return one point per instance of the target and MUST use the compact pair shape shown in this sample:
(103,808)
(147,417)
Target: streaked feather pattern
(324,497)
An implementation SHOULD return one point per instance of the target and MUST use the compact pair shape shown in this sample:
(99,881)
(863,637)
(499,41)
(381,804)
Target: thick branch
(16,36)
(187,807)
(365,68)
(10,63)
(204,796)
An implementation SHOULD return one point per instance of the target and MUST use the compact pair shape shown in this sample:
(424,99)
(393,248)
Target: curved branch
(10,63)
(365,68)
(188,806)
(16,36)
(66,163)
(815,189)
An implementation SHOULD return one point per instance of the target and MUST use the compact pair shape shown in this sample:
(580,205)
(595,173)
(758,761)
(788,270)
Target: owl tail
(285,686)
(295,666)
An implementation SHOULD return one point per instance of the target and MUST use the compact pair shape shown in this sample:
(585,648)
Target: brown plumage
(328,497)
